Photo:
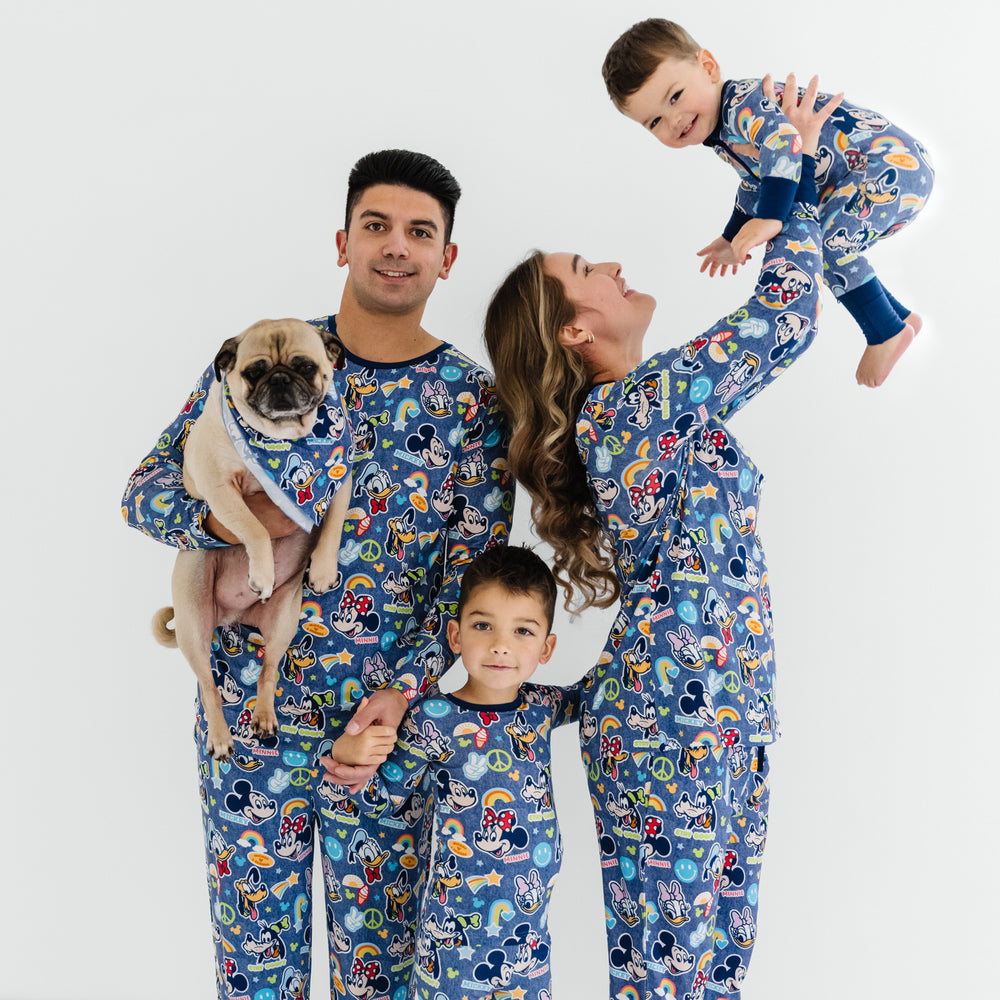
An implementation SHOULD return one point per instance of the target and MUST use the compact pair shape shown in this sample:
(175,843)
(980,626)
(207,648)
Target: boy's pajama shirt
(483,926)
(430,491)
(872,178)
(676,716)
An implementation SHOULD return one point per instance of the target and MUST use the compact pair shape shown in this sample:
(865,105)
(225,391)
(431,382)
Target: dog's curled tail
(163,635)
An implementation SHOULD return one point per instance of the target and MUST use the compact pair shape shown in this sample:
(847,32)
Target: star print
(344,657)
(517,993)
(465,953)
(493,878)
(493,930)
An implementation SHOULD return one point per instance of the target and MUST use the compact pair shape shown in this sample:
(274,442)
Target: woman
(645,496)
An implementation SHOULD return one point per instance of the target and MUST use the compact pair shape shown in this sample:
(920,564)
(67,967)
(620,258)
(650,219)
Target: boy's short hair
(634,58)
(515,568)
(403,168)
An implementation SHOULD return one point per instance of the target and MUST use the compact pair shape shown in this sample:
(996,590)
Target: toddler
(872,177)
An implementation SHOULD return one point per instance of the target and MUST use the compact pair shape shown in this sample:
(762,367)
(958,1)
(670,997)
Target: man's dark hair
(515,568)
(404,168)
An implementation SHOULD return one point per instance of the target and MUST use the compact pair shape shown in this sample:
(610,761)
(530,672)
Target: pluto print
(430,491)
(680,707)
(483,927)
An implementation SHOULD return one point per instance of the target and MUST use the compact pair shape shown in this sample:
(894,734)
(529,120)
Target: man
(430,492)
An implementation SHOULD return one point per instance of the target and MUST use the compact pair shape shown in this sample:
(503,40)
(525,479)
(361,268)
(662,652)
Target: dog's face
(278,372)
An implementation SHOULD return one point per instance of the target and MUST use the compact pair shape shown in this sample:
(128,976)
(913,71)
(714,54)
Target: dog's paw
(262,588)
(322,580)
(219,744)
(264,722)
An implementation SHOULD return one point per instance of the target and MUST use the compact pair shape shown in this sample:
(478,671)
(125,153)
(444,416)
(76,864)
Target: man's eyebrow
(371,213)
(576,260)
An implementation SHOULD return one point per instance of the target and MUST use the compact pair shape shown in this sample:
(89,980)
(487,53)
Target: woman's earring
(590,338)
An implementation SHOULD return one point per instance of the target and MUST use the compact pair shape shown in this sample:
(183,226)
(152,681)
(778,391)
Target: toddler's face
(679,103)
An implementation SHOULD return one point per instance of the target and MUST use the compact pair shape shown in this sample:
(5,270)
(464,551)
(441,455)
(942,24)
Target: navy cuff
(777,195)
(736,222)
(806,192)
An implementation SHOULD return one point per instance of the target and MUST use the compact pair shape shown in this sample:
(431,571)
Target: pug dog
(278,373)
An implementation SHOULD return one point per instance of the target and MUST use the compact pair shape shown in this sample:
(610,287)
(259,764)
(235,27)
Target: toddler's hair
(634,58)
(515,568)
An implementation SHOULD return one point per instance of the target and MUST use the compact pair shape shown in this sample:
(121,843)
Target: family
(433,813)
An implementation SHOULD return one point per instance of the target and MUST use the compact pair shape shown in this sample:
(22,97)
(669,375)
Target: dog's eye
(255,372)
(304,367)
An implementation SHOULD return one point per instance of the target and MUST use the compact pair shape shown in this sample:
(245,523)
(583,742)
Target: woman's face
(606,307)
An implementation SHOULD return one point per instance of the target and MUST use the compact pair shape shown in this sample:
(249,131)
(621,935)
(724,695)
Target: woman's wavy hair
(542,388)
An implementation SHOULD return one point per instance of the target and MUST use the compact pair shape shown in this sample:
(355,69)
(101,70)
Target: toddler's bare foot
(915,321)
(879,359)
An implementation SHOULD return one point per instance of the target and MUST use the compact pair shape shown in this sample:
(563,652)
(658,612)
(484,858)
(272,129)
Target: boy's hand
(718,254)
(370,747)
(753,234)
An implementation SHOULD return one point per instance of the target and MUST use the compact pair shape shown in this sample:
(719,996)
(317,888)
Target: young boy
(873,178)
(482,753)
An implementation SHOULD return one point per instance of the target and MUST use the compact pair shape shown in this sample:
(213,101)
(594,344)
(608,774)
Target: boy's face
(395,249)
(679,103)
(501,637)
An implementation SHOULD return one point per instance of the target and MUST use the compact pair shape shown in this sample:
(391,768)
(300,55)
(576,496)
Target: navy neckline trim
(506,707)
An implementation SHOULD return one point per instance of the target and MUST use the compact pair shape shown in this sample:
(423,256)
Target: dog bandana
(300,475)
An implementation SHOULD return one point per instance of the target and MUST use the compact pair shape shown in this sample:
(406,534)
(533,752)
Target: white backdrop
(175,172)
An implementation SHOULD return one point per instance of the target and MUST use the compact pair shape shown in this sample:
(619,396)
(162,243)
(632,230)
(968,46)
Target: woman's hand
(803,113)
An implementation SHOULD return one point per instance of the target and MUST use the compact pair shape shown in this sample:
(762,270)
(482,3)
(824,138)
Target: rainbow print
(360,580)
(628,993)
(419,480)
(311,609)
(720,528)
(706,738)
(726,714)
(350,691)
(616,523)
(366,950)
(497,796)
(655,802)
(643,450)
(292,804)
(251,838)
(405,409)
(645,606)
(476,882)
(405,844)
(451,827)
(500,909)
(301,910)
(633,471)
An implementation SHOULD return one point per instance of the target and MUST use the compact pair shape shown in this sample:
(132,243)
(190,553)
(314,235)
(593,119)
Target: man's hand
(718,254)
(277,523)
(753,234)
(384,708)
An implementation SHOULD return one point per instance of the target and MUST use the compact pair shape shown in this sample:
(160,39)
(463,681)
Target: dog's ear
(334,348)
(226,358)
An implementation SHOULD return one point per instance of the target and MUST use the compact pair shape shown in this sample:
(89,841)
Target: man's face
(395,249)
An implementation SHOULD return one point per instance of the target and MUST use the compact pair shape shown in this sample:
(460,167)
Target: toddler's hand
(718,254)
(753,234)
(803,114)
(370,747)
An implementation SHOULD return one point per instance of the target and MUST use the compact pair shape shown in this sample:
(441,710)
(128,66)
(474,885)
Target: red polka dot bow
(363,603)
(653,826)
(716,438)
(504,819)
(611,746)
(288,824)
(370,970)
(649,488)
